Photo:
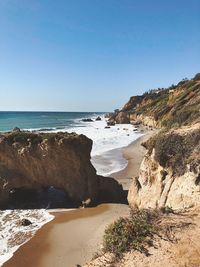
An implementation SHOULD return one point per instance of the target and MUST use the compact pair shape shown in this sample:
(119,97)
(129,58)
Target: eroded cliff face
(62,160)
(170,171)
(174,106)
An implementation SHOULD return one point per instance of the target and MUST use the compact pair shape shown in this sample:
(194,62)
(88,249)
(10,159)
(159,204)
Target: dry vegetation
(175,151)
(143,232)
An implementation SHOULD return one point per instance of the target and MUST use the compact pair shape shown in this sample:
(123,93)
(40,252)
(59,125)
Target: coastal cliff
(168,185)
(163,107)
(169,173)
(62,160)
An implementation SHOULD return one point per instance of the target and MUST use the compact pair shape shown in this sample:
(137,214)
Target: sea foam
(13,234)
(106,155)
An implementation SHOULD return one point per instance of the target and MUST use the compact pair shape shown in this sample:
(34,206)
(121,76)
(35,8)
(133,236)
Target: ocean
(42,120)
(106,156)
(104,139)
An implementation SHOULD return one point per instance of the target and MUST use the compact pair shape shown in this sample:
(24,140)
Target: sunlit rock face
(170,171)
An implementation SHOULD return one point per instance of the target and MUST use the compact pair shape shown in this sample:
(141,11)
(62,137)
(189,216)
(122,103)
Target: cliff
(170,171)
(62,160)
(167,184)
(170,107)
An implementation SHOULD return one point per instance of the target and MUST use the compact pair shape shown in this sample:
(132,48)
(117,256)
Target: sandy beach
(134,154)
(73,237)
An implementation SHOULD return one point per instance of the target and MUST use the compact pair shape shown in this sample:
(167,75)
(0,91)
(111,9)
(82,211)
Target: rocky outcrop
(87,120)
(62,160)
(122,118)
(170,171)
(98,118)
(144,120)
(172,107)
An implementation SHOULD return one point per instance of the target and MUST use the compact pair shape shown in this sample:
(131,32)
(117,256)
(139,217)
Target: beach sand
(134,154)
(73,237)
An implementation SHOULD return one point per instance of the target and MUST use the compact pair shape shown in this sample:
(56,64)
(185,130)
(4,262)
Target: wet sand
(73,237)
(134,154)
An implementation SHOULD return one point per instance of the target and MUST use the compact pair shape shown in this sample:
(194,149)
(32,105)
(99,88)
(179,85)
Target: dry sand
(74,236)
(134,154)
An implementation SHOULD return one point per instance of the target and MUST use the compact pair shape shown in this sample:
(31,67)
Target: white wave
(13,234)
(105,140)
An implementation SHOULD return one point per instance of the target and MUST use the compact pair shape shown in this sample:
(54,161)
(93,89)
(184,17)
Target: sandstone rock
(122,118)
(61,160)
(166,178)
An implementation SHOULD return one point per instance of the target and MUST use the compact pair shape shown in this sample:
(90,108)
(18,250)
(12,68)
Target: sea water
(104,139)
(106,157)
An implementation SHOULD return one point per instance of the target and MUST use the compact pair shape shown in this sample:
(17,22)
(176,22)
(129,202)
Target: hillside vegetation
(169,107)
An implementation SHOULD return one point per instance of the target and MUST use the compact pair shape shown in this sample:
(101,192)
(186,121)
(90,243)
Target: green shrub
(130,233)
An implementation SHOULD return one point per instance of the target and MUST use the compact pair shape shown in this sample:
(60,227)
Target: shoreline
(133,154)
(73,237)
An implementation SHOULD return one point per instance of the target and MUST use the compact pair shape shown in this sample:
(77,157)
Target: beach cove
(73,237)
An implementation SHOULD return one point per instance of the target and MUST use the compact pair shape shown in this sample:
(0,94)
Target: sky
(92,55)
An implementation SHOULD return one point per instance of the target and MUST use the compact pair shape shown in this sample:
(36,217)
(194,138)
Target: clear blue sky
(92,55)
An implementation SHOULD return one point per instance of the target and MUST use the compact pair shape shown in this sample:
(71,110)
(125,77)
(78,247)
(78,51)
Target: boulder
(16,129)
(98,118)
(87,120)
(122,118)
(26,222)
(111,122)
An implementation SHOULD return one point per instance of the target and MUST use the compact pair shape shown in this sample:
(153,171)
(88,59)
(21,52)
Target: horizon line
(53,111)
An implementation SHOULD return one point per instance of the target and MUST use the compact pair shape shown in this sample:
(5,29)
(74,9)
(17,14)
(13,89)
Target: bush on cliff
(174,106)
(130,233)
(175,151)
(25,137)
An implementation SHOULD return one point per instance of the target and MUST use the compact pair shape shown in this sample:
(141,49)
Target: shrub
(174,150)
(130,233)
(167,210)
(23,137)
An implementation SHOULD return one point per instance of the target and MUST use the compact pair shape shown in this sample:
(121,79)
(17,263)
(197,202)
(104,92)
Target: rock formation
(87,120)
(170,107)
(62,160)
(98,118)
(170,171)
(168,175)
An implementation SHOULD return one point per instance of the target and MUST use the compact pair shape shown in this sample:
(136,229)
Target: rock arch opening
(47,197)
